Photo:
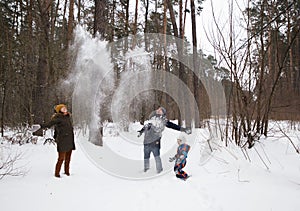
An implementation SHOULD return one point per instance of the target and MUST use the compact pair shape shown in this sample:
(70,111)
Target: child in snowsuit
(180,158)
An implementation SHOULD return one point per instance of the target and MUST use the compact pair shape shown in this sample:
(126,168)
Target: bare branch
(285,135)
(8,164)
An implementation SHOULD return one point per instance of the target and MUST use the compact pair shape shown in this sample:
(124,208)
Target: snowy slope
(224,180)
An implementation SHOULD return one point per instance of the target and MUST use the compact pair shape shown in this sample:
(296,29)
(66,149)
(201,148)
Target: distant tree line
(261,77)
(36,37)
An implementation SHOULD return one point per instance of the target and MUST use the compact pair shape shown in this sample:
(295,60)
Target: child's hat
(182,138)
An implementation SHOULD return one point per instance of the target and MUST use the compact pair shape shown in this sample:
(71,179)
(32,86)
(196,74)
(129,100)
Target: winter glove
(180,159)
(186,130)
(171,159)
(148,126)
(39,132)
(35,127)
(139,133)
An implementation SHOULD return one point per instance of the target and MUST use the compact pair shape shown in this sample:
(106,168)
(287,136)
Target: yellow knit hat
(59,107)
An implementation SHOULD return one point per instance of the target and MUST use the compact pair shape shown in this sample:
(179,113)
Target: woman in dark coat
(64,137)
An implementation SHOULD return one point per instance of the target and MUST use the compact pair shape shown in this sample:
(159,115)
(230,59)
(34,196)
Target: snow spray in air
(94,79)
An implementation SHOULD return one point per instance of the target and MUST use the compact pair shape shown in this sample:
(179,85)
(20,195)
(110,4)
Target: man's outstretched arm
(177,127)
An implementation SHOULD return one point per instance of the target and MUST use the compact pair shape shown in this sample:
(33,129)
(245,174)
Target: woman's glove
(39,132)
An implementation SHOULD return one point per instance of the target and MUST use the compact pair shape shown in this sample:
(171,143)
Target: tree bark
(195,59)
(100,22)
(146,24)
(40,92)
(178,46)
(70,23)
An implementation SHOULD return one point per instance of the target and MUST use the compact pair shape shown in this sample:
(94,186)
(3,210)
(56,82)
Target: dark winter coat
(182,151)
(64,135)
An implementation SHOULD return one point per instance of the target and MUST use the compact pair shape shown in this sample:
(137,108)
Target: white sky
(205,23)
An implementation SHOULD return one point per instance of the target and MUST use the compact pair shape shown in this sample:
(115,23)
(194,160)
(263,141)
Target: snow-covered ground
(223,180)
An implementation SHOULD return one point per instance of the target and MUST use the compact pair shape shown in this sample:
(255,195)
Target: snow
(222,180)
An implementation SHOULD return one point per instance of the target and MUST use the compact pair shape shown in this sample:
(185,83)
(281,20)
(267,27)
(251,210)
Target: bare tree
(192,79)
(256,68)
(40,92)
(70,22)
(178,33)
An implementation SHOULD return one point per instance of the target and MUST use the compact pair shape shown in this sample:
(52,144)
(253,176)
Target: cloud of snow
(94,80)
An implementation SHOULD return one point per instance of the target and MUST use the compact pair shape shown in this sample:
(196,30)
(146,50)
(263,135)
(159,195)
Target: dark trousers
(63,157)
(155,149)
(178,169)
(152,147)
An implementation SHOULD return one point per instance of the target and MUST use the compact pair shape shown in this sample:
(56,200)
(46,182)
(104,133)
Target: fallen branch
(265,153)
(244,153)
(261,158)
(295,147)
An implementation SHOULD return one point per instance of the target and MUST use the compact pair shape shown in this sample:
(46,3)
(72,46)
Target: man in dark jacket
(153,133)
(64,137)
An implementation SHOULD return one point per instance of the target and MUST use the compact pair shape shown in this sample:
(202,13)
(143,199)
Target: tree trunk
(297,52)
(79,12)
(146,24)
(194,78)
(127,25)
(135,22)
(166,60)
(40,92)
(70,23)
(178,45)
(261,74)
(100,26)
(135,17)
(4,87)
(100,22)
